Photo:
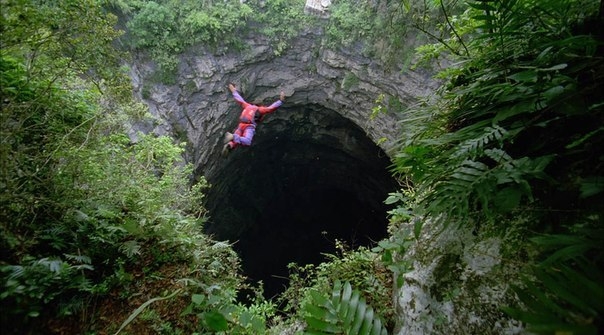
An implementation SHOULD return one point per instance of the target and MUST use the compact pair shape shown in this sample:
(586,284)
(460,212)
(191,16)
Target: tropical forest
(426,167)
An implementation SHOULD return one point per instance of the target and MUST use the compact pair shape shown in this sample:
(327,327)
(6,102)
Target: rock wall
(457,284)
(200,109)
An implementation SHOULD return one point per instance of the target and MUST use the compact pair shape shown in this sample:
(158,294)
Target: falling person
(249,118)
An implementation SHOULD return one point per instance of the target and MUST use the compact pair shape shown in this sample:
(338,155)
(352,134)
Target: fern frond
(17,271)
(473,146)
(497,155)
(130,248)
(54,265)
(83,259)
(345,313)
(564,292)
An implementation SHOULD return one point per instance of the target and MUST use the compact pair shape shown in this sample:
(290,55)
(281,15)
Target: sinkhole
(310,177)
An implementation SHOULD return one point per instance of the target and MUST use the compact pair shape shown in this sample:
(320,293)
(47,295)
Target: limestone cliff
(318,170)
(344,82)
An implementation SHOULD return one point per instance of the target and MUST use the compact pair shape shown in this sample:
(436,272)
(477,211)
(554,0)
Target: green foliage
(551,300)
(29,287)
(361,268)
(349,81)
(349,22)
(480,148)
(83,206)
(402,237)
(217,310)
(280,21)
(71,190)
(384,29)
(517,129)
(345,313)
(54,38)
(168,28)
(512,135)
(448,24)
(142,308)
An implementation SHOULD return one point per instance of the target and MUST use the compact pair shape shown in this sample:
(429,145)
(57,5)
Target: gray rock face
(200,108)
(458,282)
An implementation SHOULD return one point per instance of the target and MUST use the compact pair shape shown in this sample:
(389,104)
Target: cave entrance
(310,177)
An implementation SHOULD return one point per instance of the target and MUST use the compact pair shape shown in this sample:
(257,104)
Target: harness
(250,115)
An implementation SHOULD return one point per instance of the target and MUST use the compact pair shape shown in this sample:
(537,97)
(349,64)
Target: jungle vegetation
(95,223)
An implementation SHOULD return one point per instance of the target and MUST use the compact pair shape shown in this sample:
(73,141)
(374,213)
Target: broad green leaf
(393,198)
(558,240)
(322,325)
(316,311)
(524,106)
(198,298)
(400,280)
(377,328)
(553,93)
(417,228)
(359,315)
(507,199)
(319,298)
(482,6)
(388,244)
(188,310)
(591,288)
(555,67)
(543,53)
(345,301)
(367,322)
(584,138)
(387,256)
(258,325)
(352,307)
(556,283)
(528,76)
(591,186)
(336,292)
(245,318)
(567,253)
(215,321)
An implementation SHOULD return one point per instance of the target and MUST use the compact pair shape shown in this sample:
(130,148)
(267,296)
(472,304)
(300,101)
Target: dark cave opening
(309,178)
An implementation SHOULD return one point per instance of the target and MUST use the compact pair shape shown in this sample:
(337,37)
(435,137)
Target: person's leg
(230,138)
(229,144)
(243,135)
(248,135)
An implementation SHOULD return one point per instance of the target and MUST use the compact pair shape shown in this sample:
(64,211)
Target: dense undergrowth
(515,137)
(101,232)
(89,215)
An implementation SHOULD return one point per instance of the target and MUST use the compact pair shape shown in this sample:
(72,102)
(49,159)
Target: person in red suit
(248,120)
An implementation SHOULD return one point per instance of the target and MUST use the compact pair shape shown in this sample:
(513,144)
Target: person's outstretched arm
(237,96)
(273,107)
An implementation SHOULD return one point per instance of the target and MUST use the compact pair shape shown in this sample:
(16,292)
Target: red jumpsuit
(251,114)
